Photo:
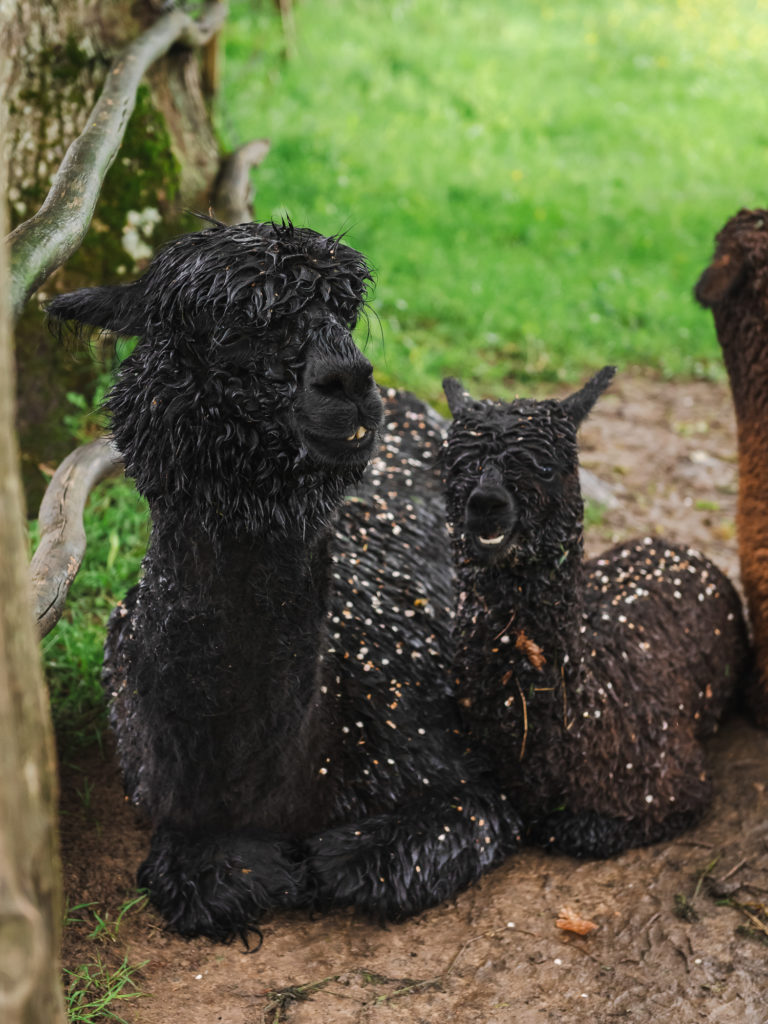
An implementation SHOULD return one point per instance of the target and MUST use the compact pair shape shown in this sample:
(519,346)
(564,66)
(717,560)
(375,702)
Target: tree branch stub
(62,543)
(232,198)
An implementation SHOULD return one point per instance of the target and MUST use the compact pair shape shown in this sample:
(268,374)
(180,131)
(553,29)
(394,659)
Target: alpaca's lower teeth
(490,541)
(359,434)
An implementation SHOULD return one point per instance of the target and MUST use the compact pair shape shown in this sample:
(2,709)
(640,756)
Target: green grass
(106,929)
(537,184)
(94,991)
(116,525)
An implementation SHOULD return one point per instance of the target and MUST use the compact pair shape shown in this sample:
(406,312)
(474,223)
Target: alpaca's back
(665,648)
(390,618)
(653,602)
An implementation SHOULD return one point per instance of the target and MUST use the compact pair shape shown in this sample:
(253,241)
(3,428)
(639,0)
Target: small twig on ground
(691,842)
(682,954)
(438,979)
(733,870)
(279,999)
(643,927)
(582,949)
(748,908)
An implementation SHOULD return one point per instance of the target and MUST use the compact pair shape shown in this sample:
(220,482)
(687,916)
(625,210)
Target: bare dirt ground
(681,930)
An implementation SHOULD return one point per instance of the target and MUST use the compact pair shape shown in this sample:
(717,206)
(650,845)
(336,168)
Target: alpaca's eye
(545,472)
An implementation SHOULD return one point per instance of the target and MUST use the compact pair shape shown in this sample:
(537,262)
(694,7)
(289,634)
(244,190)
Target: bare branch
(232,197)
(62,534)
(46,240)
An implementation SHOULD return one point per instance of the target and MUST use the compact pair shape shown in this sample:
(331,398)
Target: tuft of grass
(538,184)
(94,991)
(103,926)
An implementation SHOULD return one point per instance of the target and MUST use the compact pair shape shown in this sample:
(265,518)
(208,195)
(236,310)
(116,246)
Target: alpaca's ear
(117,308)
(722,276)
(579,405)
(457,397)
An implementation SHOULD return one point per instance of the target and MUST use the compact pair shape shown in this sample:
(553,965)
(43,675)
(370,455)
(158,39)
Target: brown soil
(675,940)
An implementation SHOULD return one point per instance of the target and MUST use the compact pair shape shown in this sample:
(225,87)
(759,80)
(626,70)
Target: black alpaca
(589,683)
(277,680)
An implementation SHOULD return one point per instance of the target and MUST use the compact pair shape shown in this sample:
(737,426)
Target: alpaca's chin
(493,547)
(340,452)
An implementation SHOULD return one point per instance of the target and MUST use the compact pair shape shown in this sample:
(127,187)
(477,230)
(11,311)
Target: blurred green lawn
(537,184)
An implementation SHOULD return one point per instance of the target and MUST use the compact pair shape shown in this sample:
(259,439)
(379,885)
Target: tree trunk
(30,874)
(60,51)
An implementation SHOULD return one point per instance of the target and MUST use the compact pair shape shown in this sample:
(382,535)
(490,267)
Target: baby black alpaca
(589,683)
(276,679)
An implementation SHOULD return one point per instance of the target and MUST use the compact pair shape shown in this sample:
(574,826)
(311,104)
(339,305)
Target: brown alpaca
(735,287)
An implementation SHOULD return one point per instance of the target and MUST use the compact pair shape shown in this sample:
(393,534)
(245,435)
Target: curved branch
(60,552)
(232,195)
(46,240)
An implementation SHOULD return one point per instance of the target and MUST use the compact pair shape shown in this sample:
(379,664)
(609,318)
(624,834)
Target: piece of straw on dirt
(570,921)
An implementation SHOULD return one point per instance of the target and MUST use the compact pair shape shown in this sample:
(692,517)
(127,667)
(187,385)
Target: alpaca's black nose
(338,380)
(488,503)
(342,379)
(339,408)
(490,509)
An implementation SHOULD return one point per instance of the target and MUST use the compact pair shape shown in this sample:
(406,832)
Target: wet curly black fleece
(277,679)
(588,683)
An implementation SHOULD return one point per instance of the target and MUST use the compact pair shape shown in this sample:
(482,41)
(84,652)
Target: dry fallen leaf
(530,649)
(569,921)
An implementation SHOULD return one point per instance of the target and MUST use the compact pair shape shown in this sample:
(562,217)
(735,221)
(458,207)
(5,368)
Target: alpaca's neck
(741,333)
(244,619)
(519,649)
(508,616)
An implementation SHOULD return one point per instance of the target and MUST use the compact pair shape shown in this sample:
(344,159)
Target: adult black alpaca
(277,681)
(589,683)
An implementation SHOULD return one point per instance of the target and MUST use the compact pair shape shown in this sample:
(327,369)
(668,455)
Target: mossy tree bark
(169,160)
(30,876)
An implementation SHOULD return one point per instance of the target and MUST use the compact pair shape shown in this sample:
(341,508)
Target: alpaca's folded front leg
(221,885)
(391,866)
(586,834)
